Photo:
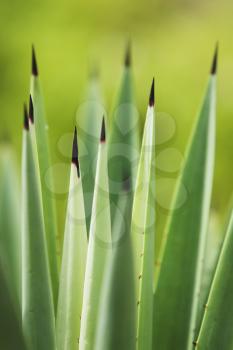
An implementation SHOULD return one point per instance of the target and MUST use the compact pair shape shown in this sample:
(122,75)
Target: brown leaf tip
(26,119)
(152,94)
(103,132)
(34,63)
(215,61)
(75,160)
(31,110)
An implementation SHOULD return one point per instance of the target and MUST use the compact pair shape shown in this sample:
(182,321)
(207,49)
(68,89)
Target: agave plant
(112,290)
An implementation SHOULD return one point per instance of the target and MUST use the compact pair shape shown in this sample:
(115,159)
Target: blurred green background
(172,40)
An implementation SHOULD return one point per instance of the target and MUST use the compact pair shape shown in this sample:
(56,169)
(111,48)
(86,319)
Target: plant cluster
(111,291)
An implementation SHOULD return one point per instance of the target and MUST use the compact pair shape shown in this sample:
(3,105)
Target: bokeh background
(172,40)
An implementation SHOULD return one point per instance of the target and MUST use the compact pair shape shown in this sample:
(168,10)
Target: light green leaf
(117,316)
(73,264)
(216,328)
(181,260)
(89,119)
(143,231)
(44,164)
(124,138)
(37,302)
(98,248)
(212,251)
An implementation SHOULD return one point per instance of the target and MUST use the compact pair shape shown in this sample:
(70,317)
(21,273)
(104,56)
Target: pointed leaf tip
(34,63)
(152,94)
(128,55)
(25,119)
(215,61)
(75,160)
(103,132)
(31,110)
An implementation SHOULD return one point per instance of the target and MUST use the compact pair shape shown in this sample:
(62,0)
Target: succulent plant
(112,291)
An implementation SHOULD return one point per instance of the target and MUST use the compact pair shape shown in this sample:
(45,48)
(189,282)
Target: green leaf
(10,252)
(212,251)
(143,232)
(216,328)
(89,119)
(44,165)
(37,302)
(98,248)
(11,336)
(181,259)
(73,266)
(124,139)
(10,259)
(117,318)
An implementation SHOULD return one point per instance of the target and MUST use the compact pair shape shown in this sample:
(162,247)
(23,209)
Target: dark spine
(152,94)
(128,55)
(103,132)
(34,63)
(75,160)
(214,65)
(31,110)
(25,119)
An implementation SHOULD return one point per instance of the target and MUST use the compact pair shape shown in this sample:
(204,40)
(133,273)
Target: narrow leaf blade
(10,224)
(216,328)
(37,302)
(89,119)
(10,256)
(123,152)
(143,231)
(117,316)
(44,164)
(98,248)
(73,264)
(180,263)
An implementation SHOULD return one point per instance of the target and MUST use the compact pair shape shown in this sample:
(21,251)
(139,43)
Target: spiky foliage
(114,293)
